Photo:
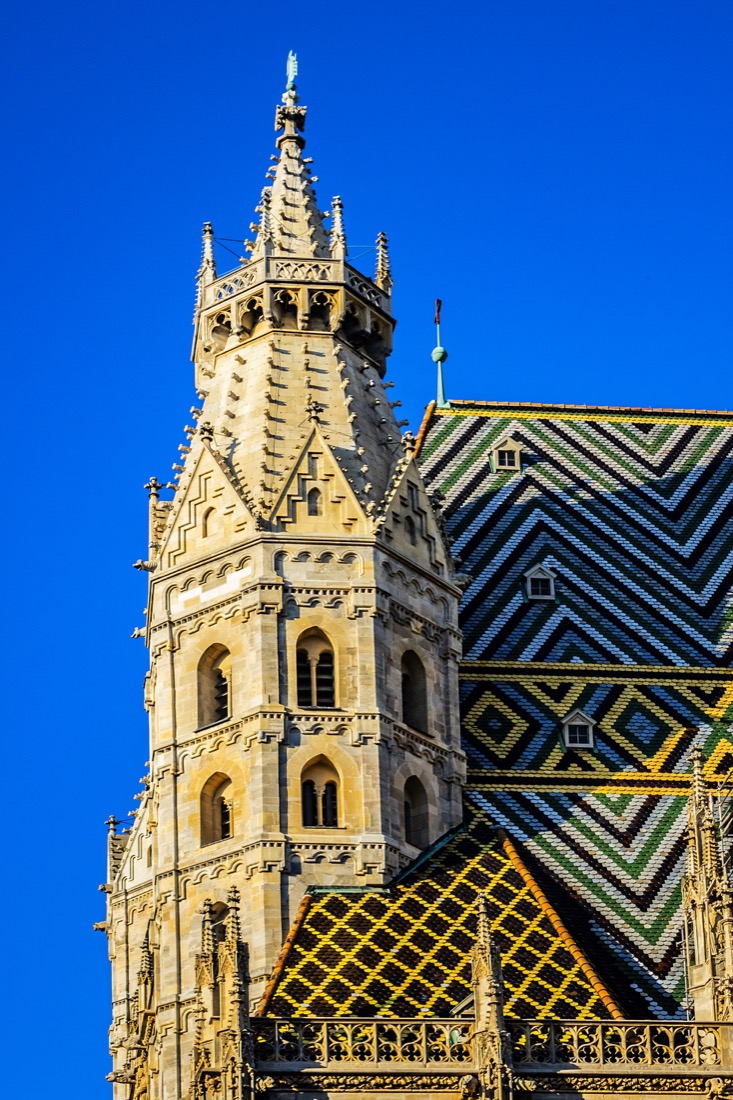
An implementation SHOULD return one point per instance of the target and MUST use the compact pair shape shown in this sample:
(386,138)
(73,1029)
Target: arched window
(214,685)
(414,692)
(314,670)
(417,830)
(207,522)
(319,787)
(411,530)
(217,810)
(329,809)
(310,802)
(314,503)
(285,309)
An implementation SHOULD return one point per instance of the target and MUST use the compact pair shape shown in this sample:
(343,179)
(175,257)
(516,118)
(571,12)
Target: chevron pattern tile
(635,519)
(632,512)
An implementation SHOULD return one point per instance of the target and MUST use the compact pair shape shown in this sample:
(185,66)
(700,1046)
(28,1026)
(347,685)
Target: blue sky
(560,174)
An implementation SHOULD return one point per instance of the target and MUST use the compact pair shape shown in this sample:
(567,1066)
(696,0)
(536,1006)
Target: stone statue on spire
(292,71)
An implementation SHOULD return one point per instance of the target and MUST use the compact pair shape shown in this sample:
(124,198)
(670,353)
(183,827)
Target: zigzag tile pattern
(633,512)
(512,718)
(620,857)
(634,518)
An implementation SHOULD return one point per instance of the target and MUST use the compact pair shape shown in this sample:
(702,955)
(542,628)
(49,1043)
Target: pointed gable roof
(406,951)
(207,485)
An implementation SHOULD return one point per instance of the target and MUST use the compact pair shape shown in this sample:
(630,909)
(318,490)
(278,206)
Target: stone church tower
(303,635)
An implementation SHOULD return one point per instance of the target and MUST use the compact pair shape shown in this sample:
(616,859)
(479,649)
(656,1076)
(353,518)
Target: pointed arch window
(315,671)
(217,809)
(414,692)
(411,530)
(416,817)
(319,787)
(214,686)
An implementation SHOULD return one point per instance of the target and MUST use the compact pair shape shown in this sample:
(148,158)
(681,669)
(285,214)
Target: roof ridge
(558,924)
(433,850)
(427,417)
(282,958)
(591,408)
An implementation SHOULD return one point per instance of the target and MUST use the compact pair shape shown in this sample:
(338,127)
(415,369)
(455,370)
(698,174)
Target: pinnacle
(290,222)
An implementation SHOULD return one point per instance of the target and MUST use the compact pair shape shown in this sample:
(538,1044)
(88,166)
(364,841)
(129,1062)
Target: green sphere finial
(439,355)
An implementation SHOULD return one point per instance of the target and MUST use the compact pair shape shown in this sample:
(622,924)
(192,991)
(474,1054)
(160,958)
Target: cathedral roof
(632,512)
(405,951)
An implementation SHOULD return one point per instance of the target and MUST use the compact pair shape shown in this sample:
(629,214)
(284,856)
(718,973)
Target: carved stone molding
(609,1085)
(359,1082)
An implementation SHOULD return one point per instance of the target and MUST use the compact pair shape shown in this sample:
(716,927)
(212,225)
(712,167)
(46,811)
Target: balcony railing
(666,1045)
(445,1045)
(366,1044)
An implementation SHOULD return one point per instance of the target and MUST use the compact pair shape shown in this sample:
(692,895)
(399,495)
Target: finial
(383,276)
(338,237)
(206,431)
(207,938)
(288,115)
(264,212)
(207,270)
(112,822)
(439,356)
(153,486)
(233,924)
(313,410)
(699,789)
(484,925)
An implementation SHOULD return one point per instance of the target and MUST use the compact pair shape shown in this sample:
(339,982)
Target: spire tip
(439,356)
(291,70)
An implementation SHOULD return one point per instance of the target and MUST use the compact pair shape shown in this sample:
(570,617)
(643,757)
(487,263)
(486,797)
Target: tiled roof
(406,951)
(635,518)
(632,509)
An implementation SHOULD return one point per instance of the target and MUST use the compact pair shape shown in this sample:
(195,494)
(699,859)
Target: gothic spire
(207,270)
(707,901)
(295,222)
(383,274)
(338,236)
(703,849)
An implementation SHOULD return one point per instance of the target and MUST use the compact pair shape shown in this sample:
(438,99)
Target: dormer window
(540,583)
(578,731)
(507,456)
